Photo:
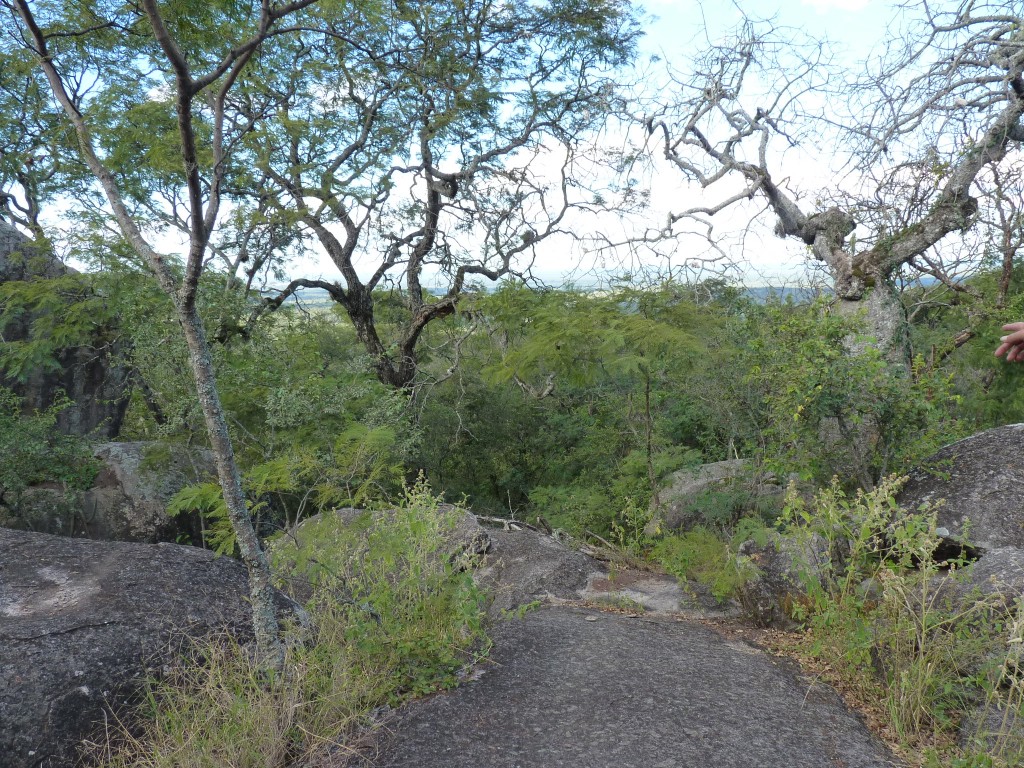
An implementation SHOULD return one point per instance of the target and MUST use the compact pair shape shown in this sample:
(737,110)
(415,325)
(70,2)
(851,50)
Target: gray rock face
(785,565)
(979,479)
(526,566)
(997,576)
(691,497)
(581,688)
(996,730)
(97,387)
(82,621)
(129,497)
(21,260)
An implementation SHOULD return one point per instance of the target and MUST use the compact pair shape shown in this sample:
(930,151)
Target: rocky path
(589,689)
(568,685)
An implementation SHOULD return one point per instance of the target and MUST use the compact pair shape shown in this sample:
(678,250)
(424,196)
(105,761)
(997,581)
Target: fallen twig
(506,523)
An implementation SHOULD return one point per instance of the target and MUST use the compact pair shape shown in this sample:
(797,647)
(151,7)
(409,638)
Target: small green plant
(887,614)
(520,611)
(702,556)
(393,615)
(617,602)
(629,528)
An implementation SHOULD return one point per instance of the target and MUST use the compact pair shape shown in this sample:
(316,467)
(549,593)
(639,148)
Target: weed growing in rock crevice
(894,620)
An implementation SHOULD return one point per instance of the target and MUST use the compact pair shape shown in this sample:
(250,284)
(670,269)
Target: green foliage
(207,500)
(417,605)
(831,403)
(621,413)
(392,617)
(35,452)
(701,556)
(312,427)
(881,616)
(58,313)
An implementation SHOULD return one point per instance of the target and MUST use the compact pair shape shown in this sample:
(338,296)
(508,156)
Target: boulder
(997,577)
(786,568)
(719,492)
(574,687)
(81,622)
(995,730)
(978,482)
(21,259)
(525,566)
(128,500)
(89,375)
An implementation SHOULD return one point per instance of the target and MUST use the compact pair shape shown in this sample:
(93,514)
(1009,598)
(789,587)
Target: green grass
(392,617)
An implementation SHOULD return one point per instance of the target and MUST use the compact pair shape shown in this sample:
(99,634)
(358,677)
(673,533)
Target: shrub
(883,618)
(392,617)
(35,452)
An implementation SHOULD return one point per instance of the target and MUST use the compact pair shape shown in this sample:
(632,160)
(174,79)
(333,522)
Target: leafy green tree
(102,60)
(572,404)
(814,392)
(410,140)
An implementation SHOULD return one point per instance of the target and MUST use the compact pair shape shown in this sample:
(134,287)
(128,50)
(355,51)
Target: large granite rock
(719,492)
(20,259)
(786,568)
(573,687)
(81,622)
(89,375)
(525,567)
(997,578)
(128,499)
(978,481)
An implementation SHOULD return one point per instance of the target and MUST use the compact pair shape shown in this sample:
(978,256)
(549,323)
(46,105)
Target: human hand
(1012,344)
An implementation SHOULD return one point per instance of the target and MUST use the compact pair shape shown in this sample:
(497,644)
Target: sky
(675,29)
(680,27)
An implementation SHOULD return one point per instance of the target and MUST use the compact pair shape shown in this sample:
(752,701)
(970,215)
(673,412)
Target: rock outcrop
(82,621)
(719,492)
(786,568)
(976,482)
(128,499)
(524,567)
(89,375)
(567,686)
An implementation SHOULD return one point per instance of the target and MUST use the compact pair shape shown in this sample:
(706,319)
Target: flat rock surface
(589,689)
(82,621)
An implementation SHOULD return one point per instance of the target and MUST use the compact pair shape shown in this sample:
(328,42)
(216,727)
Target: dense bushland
(568,405)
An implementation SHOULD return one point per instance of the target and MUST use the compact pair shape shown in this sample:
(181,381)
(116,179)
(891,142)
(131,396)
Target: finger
(1012,339)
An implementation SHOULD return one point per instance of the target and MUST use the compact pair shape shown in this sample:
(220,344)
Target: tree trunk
(887,327)
(261,591)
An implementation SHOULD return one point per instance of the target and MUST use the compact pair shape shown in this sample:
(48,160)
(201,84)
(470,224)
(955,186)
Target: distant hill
(317,298)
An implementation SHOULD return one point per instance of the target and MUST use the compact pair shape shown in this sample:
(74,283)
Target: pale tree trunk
(184,292)
(253,555)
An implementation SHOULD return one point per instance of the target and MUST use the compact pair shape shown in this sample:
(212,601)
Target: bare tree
(941,109)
